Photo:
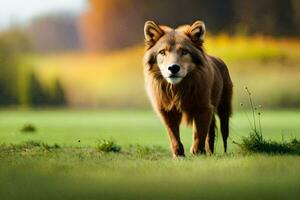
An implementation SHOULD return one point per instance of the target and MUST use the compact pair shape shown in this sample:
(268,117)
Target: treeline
(51,33)
(118,23)
(39,95)
(113,24)
(18,83)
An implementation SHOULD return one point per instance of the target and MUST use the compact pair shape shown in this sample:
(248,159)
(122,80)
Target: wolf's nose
(174,68)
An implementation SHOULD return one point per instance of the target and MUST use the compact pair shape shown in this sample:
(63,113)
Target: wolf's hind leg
(224,123)
(210,138)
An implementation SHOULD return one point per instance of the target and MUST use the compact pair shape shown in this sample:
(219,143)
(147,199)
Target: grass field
(144,169)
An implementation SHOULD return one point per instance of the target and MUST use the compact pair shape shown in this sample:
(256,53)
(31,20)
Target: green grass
(62,161)
(107,146)
(255,143)
(67,127)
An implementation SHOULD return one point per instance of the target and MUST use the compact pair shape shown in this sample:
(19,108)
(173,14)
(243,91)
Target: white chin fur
(174,80)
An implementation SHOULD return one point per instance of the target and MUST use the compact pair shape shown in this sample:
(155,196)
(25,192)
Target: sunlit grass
(129,127)
(35,172)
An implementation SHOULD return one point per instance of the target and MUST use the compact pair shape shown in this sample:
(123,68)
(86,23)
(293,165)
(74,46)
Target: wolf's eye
(184,52)
(162,52)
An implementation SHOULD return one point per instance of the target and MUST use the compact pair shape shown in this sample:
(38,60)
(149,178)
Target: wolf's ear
(196,32)
(152,33)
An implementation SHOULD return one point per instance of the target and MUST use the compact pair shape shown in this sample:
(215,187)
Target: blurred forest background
(94,58)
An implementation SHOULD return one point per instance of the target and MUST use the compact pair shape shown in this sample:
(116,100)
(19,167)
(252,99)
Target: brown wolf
(183,82)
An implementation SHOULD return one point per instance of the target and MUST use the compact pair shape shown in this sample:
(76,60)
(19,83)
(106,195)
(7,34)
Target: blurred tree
(38,96)
(58,95)
(272,17)
(54,33)
(296,11)
(118,23)
(19,86)
(13,44)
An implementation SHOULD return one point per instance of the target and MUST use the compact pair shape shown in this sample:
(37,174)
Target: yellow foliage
(116,78)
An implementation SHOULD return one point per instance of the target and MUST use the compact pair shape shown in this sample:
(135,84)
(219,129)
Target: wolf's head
(173,53)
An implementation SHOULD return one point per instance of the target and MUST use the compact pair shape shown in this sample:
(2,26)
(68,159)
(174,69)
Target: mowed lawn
(144,169)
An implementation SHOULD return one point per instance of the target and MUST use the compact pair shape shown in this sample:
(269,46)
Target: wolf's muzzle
(174,68)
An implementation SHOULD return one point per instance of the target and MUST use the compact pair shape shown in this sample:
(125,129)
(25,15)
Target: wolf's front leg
(172,120)
(201,125)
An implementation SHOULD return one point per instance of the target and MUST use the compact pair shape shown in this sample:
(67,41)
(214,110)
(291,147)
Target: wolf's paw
(178,150)
(196,150)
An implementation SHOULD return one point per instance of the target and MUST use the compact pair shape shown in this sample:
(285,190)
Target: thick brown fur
(205,91)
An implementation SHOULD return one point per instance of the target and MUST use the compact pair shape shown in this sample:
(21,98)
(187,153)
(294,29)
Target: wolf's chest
(179,100)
